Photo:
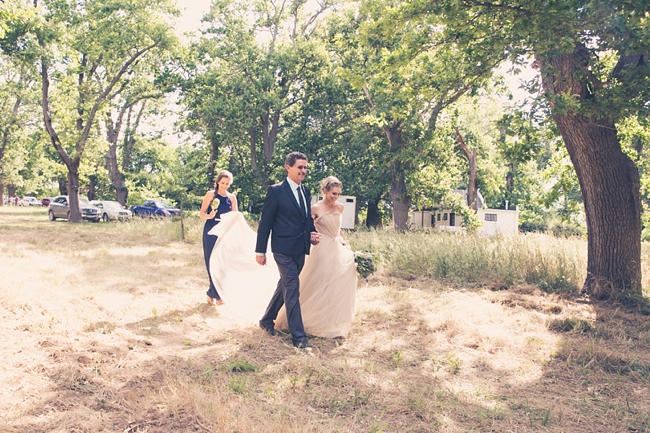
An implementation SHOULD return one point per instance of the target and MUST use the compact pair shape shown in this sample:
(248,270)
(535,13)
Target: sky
(191,15)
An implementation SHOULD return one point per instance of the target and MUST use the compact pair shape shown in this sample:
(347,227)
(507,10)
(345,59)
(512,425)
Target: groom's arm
(269,209)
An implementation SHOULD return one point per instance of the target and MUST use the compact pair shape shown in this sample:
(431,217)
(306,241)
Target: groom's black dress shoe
(303,345)
(269,329)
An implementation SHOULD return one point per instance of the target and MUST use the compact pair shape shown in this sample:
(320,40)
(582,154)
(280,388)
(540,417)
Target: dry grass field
(105,329)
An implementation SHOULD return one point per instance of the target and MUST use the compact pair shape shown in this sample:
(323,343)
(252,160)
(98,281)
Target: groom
(287,217)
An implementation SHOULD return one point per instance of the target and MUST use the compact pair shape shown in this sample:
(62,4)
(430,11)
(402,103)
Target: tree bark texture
(92,187)
(471,184)
(609,182)
(73,191)
(118,180)
(113,130)
(398,193)
(373,218)
(63,185)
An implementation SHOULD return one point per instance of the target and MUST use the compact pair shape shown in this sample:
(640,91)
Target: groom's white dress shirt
(294,187)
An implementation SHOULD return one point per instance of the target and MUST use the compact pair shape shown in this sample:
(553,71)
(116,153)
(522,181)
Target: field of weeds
(106,329)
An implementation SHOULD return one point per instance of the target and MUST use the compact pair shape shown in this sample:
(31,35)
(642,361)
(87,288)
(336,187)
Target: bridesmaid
(223,202)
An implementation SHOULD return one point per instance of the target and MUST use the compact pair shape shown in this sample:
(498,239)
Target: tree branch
(369,98)
(86,131)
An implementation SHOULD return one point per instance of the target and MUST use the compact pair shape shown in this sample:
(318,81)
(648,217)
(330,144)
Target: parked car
(172,210)
(154,208)
(29,201)
(45,201)
(112,210)
(60,208)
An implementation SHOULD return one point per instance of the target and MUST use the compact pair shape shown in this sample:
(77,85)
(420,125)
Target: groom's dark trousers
(290,230)
(288,293)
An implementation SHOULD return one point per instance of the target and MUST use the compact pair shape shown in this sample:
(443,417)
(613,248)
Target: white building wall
(499,221)
(420,219)
(507,222)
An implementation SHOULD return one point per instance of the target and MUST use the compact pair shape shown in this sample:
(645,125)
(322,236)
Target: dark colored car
(172,210)
(45,201)
(154,208)
(60,208)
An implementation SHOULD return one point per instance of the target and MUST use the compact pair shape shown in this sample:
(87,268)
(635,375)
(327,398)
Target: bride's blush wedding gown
(328,280)
(328,283)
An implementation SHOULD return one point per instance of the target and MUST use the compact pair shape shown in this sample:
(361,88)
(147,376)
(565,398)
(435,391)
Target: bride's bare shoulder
(316,210)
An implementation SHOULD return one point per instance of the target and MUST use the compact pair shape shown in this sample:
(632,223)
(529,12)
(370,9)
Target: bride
(328,280)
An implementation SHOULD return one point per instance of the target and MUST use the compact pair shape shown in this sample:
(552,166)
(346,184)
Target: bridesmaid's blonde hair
(330,182)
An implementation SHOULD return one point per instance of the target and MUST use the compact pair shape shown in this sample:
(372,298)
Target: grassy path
(105,329)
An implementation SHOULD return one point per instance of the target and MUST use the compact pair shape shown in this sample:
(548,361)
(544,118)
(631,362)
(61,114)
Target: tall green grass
(166,228)
(555,264)
(170,229)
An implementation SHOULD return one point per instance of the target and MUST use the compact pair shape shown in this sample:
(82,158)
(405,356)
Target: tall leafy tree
(403,74)
(86,52)
(256,62)
(593,62)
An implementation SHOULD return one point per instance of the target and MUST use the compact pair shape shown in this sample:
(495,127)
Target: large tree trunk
(400,199)
(373,218)
(398,194)
(113,129)
(73,194)
(609,182)
(2,193)
(122,194)
(92,187)
(118,179)
(471,184)
(63,185)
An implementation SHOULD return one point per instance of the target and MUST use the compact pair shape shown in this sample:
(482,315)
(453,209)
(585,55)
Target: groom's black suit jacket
(282,217)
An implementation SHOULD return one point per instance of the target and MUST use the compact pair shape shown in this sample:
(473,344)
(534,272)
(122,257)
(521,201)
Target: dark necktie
(302,202)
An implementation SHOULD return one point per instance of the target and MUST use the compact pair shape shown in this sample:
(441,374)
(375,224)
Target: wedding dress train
(328,280)
(328,283)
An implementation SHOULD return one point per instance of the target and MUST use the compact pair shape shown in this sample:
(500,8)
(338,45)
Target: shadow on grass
(357,384)
(419,358)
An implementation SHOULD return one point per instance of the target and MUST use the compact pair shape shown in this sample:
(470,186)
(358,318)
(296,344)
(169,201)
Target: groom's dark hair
(291,158)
